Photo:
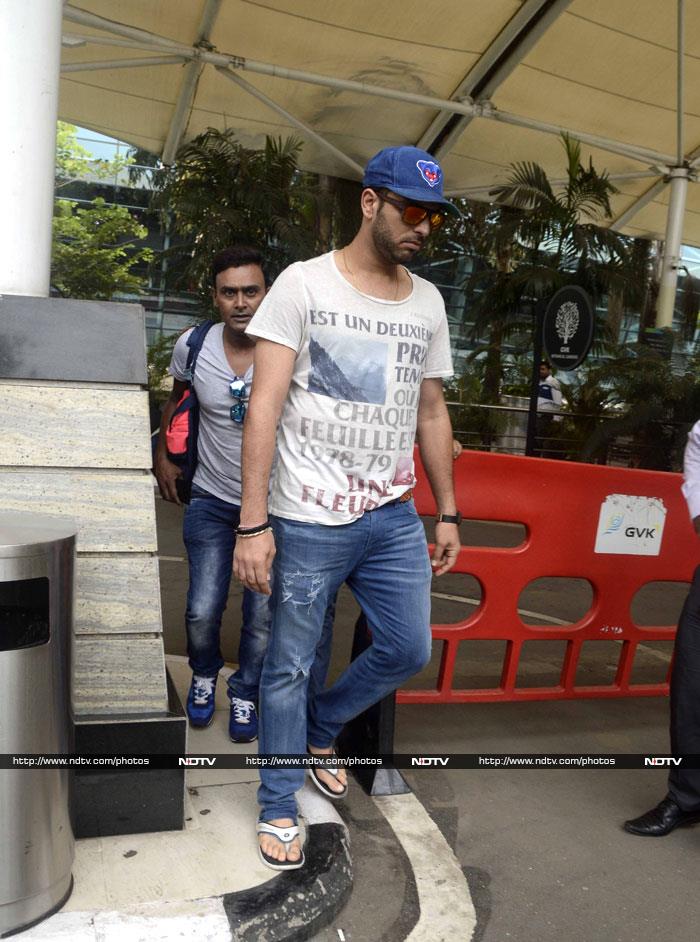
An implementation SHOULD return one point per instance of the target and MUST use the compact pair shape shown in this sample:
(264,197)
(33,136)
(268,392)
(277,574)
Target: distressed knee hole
(301,588)
(299,669)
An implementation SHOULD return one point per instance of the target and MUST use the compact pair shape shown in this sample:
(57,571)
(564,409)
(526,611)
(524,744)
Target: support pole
(531,435)
(680,83)
(103,64)
(30,59)
(678,177)
(672,247)
(188,87)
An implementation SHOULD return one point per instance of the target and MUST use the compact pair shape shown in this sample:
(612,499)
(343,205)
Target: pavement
(206,882)
(486,856)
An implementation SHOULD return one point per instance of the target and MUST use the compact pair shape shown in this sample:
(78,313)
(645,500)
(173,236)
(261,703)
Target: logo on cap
(430,171)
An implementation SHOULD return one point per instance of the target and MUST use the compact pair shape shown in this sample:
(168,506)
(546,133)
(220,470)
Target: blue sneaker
(201,701)
(243,721)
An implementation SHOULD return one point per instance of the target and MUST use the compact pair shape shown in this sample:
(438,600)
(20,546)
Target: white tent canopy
(478,84)
(481,85)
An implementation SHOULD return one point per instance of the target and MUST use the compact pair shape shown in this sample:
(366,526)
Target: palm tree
(219,192)
(541,235)
(559,226)
(535,238)
(497,300)
(654,407)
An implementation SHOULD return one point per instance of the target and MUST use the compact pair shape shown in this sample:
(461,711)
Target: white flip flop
(284,836)
(322,787)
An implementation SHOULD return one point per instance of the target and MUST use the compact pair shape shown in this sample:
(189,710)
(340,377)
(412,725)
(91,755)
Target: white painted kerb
(446,910)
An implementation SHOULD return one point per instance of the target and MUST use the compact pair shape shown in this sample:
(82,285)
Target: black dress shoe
(661,820)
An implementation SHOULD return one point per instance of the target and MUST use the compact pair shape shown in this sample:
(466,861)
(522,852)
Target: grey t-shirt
(219,443)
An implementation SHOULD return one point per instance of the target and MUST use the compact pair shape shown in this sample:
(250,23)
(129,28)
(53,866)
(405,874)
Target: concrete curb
(291,907)
(295,905)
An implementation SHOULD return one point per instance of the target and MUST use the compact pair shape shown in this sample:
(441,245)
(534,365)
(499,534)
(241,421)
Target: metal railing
(611,438)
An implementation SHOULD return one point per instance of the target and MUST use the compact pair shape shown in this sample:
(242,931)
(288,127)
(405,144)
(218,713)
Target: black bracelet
(251,531)
(251,536)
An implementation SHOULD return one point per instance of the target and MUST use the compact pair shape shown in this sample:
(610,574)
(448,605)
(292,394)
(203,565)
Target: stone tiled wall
(76,443)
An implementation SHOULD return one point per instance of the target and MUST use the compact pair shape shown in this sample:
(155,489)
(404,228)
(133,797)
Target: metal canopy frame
(121,64)
(507,50)
(189,83)
(471,99)
(140,39)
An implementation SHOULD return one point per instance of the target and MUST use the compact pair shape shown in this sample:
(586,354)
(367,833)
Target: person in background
(222,381)
(682,802)
(549,401)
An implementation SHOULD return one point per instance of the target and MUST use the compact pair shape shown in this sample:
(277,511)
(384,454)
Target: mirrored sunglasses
(413,215)
(238,410)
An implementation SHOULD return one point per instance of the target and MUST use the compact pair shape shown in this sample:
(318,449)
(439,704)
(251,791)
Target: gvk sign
(630,525)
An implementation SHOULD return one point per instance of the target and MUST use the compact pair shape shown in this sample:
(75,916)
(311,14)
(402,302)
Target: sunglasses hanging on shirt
(238,410)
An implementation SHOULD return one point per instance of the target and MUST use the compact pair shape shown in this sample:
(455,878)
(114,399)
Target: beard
(386,245)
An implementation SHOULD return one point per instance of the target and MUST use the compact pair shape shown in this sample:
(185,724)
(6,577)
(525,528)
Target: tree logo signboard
(567,328)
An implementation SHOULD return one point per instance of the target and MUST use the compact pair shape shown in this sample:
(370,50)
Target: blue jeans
(209,534)
(383,558)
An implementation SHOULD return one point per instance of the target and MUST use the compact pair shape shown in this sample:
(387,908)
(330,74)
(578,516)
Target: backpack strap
(189,466)
(195,342)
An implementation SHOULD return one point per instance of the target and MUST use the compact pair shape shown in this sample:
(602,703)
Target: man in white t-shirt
(549,401)
(681,805)
(549,390)
(222,380)
(350,357)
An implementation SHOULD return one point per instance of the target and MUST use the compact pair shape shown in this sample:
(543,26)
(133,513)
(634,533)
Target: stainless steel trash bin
(36,612)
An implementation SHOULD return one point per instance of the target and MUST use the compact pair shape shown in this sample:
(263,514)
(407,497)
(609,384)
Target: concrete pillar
(30,59)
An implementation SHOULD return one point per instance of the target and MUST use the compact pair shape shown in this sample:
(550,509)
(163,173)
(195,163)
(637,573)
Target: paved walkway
(486,856)
(189,884)
(206,883)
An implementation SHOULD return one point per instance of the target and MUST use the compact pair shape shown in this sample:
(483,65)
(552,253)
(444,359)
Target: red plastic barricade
(617,528)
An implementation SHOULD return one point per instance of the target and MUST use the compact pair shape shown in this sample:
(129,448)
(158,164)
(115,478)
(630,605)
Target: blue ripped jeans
(383,558)
(209,535)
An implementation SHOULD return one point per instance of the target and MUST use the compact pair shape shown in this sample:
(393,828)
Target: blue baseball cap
(409,172)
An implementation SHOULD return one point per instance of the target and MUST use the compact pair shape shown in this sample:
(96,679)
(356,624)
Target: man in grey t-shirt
(222,380)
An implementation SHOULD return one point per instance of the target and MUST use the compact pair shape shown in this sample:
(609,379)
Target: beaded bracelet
(247,536)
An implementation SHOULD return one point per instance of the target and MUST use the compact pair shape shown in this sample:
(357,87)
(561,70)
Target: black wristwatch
(449,518)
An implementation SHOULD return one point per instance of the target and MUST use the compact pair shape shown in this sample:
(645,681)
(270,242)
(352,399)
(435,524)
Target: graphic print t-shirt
(346,434)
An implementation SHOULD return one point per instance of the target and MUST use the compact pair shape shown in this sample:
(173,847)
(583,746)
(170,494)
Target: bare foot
(274,848)
(336,783)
